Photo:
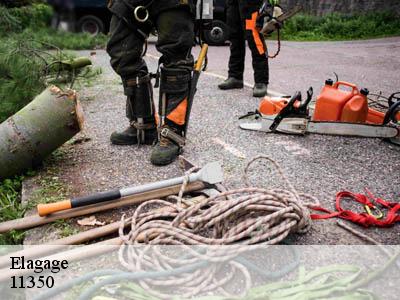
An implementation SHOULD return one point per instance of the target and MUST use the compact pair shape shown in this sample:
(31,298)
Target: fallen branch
(38,129)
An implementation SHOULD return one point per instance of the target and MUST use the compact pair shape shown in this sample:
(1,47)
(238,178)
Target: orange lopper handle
(46,209)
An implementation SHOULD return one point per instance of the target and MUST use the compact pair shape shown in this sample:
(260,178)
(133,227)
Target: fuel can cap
(364,92)
(329,82)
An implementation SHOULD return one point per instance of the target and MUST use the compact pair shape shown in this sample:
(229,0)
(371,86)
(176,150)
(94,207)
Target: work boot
(260,90)
(130,136)
(165,151)
(231,83)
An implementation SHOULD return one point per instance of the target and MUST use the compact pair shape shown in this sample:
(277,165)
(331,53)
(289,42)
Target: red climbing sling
(365,219)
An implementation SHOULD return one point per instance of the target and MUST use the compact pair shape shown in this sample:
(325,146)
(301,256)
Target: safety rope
(105,277)
(152,267)
(236,219)
(249,216)
(365,219)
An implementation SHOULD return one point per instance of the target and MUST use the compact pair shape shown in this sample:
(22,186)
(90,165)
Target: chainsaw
(337,112)
(271,18)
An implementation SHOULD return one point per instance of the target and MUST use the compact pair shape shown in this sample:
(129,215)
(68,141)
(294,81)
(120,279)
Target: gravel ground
(318,165)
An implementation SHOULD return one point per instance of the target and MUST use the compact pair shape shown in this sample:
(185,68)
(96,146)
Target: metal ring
(138,11)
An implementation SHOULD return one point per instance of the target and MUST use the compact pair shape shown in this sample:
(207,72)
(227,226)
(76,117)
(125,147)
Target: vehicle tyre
(217,35)
(91,24)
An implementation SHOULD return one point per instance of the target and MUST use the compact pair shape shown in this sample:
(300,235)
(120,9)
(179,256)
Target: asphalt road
(373,64)
(318,165)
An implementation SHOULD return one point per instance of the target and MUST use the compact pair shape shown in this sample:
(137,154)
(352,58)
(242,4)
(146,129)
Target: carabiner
(369,211)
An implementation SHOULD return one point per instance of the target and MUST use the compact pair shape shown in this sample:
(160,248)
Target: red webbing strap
(363,219)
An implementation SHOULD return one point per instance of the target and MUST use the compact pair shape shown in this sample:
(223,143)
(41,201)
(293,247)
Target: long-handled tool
(83,237)
(193,84)
(211,173)
(36,220)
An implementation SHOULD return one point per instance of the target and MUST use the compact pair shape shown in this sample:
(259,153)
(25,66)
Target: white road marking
(231,149)
(212,74)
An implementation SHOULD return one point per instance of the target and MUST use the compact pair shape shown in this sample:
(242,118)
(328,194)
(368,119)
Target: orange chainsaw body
(273,105)
(333,105)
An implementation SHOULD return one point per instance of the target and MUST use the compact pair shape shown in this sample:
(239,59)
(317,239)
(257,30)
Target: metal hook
(369,211)
(141,10)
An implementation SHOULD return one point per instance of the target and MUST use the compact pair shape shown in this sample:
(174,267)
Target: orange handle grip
(201,58)
(353,86)
(46,209)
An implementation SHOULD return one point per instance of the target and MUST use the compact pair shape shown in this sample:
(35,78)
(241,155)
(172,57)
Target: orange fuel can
(337,105)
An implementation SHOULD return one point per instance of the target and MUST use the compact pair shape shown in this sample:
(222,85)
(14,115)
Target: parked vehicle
(93,17)
(219,31)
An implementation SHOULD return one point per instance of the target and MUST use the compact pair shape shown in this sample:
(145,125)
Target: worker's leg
(237,47)
(175,41)
(256,42)
(125,48)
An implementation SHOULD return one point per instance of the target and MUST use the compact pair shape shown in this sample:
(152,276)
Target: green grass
(65,40)
(11,208)
(50,189)
(32,23)
(335,27)
(64,228)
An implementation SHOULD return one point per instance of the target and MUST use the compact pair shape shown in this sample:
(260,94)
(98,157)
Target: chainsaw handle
(285,111)
(348,84)
(392,97)
(292,101)
(310,93)
(391,113)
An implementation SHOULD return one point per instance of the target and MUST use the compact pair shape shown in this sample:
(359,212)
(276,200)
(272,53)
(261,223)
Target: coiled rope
(238,220)
(245,216)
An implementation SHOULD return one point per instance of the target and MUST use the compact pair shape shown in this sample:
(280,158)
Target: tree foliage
(342,27)
(19,3)
(14,20)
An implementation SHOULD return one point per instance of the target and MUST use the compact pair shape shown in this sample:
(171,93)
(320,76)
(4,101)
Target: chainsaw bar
(288,125)
(302,126)
(271,26)
(351,129)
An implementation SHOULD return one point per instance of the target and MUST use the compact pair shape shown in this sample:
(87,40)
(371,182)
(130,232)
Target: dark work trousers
(241,19)
(175,27)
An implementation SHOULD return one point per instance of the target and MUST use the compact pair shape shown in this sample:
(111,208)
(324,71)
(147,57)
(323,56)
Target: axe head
(211,173)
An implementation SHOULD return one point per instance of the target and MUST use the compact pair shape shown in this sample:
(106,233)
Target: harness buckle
(170,134)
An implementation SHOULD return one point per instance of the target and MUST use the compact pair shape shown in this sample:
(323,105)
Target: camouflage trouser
(174,22)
